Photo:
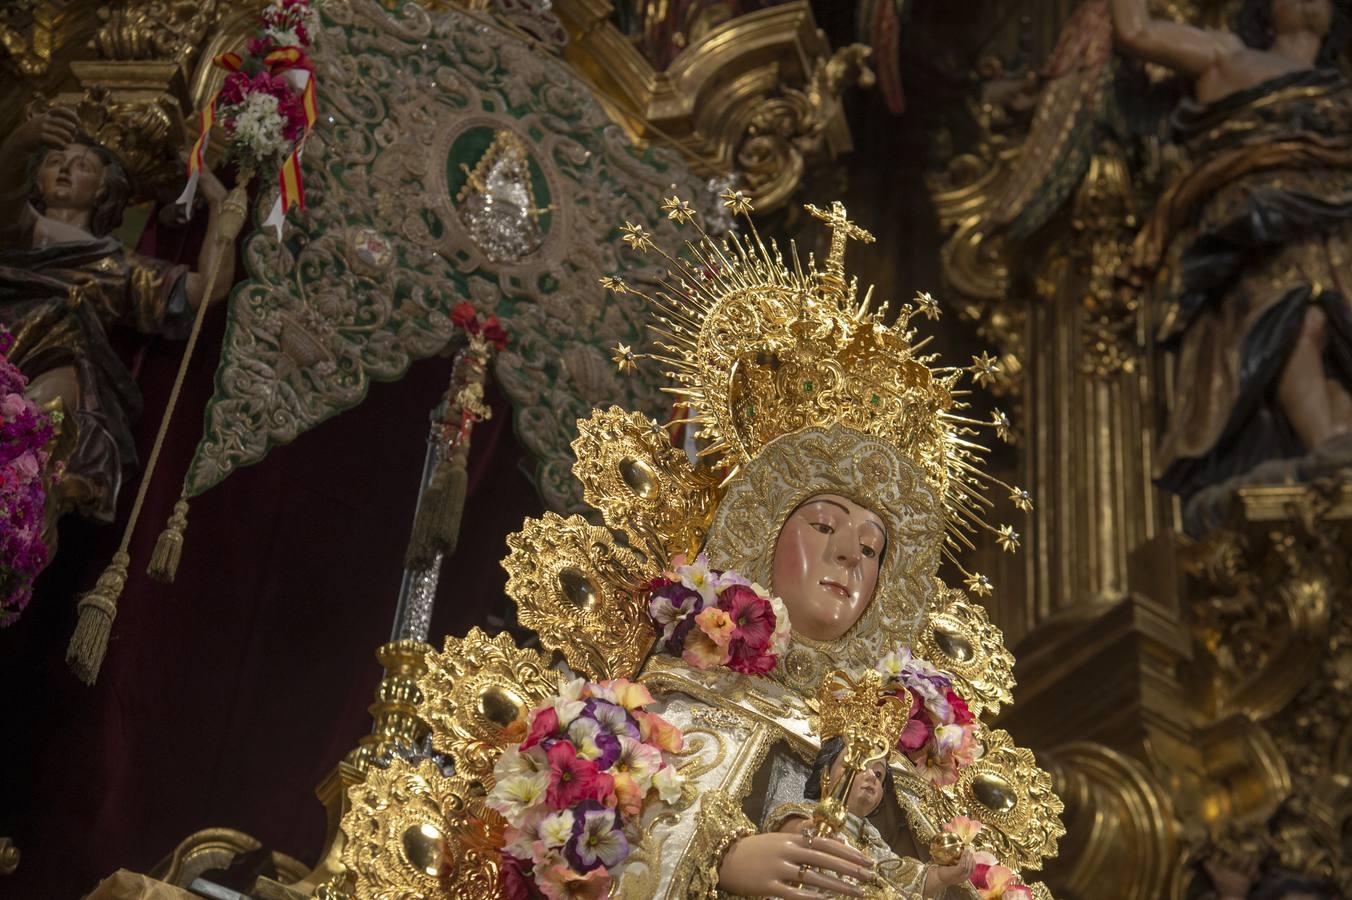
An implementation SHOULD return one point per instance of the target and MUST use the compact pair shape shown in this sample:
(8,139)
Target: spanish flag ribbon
(291,189)
(293,65)
(231,62)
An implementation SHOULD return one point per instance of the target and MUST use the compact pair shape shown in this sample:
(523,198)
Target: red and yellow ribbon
(291,64)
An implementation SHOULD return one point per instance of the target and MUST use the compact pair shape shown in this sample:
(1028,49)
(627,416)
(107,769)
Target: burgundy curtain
(227,696)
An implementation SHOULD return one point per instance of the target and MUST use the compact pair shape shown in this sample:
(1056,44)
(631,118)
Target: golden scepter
(868,714)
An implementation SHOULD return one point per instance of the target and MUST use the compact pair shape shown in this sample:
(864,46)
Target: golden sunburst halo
(821,353)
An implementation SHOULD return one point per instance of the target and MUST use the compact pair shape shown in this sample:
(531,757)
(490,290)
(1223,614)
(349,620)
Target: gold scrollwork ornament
(958,637)
(401,825)
(1014,798)
(642,485)
(477,693)
(578,588)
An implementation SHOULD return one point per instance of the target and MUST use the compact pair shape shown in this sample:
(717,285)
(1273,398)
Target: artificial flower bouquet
(261,106)
(266,106)
(942,735)
(25,432)
(991,880)
(572,791)
(712,618)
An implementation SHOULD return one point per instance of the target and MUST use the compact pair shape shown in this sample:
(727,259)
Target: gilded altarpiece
(1180,686)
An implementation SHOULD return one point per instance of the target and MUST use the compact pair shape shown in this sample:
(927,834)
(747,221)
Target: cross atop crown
(842,230)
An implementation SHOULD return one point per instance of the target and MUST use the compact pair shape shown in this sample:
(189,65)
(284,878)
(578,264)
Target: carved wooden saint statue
(1256,240)
(65,281)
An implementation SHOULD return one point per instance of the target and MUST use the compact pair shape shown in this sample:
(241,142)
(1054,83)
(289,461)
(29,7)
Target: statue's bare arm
(55,128)
(1186,49)
(214,193)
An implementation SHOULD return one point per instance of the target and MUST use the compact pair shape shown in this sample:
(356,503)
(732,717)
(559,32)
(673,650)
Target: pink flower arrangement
(571,792)
(942,735)
(991,880)
(24,434)
(713,618)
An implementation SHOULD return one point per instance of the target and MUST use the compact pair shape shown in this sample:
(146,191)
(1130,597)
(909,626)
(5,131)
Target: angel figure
(1256,237)
(65,281)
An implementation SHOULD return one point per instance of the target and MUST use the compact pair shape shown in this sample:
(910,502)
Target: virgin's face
(1293,16)
(826,565)
(867,790)
(71,177)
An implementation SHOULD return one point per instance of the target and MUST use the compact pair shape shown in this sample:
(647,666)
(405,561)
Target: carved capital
(165,30)
(758,95)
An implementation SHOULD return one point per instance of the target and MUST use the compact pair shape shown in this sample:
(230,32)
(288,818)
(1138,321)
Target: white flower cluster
(280,23)
(258,128)
(282,37)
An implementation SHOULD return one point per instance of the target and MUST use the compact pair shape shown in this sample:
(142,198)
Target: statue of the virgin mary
(673,744)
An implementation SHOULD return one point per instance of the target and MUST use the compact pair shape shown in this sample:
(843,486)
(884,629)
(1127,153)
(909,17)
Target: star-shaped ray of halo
(737,202)
(979,584)
(614,283)
(636,237)
(926,304)
(678,210)
(1007,538)
(1001,423)
(984,368)
(624,358)
(1021,499)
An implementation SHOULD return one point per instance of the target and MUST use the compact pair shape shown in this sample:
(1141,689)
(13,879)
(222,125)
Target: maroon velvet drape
(228,695)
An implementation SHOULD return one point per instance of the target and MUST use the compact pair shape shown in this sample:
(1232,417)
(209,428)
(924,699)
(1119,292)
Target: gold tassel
(450,512)
(436,526)
(169,547)
(97,608)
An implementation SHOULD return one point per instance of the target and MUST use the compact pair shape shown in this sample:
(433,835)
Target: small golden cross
(842,230)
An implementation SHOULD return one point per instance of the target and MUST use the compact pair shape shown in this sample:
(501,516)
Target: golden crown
(759,346)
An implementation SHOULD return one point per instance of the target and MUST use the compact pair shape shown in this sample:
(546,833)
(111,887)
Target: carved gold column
(1181,693)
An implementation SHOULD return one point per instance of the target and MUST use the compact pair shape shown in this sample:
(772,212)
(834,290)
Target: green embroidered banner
(452,162)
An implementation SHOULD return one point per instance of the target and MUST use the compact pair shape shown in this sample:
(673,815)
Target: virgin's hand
(769,865)
(946,876)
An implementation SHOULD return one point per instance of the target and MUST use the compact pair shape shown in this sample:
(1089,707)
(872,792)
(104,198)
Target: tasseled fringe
(97,608)
(436,526)
(169,547)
